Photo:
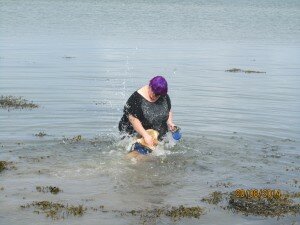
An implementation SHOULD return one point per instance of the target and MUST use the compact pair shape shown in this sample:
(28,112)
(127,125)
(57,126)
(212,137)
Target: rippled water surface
(81,60)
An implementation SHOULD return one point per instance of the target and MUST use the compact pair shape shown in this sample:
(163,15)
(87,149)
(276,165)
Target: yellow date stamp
(258,193)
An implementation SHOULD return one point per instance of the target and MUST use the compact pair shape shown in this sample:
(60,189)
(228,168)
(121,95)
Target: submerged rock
(12,102)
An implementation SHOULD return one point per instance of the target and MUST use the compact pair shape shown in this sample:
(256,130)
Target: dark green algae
(214,198)
(260,206)
(60,211)
(45,189)
(268,207)
(13,102)
(74,139)
(174,213)
(4,165)
(56,210)
(41,134)
(236,70)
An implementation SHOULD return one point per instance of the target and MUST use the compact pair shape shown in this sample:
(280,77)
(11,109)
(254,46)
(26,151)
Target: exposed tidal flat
(233,72)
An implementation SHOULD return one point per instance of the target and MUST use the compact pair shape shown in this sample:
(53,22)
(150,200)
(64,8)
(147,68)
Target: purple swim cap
(159,85)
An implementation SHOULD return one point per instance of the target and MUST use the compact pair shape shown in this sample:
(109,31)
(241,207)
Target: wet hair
(159,85)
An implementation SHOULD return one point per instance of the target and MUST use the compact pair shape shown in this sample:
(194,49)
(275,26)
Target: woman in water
(148,108)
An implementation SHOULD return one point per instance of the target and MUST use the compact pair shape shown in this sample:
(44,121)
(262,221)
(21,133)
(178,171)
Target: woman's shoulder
(135,97)
(166,97)
(142,92)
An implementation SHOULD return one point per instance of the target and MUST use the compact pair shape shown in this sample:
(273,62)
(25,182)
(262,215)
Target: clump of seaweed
(100,208)
(56,210)
(293,195)
(12,102)
(69,57)
(74,139)
(6,166)
(214,198)
(60,211)
(46,189)
(253,71)
(174,213)
(236,70)
(273,207)
(182,211)
(34,159)
(2,165)
(40,134)
(264,202)
(146,215)
(222,184)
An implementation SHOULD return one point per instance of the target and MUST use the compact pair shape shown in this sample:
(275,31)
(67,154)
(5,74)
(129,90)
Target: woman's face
(152,95)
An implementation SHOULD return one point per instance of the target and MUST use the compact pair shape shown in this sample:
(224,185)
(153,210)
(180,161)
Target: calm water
(81,60)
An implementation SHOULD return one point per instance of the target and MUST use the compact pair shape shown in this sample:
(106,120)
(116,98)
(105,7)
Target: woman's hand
(149,140)
(171,126)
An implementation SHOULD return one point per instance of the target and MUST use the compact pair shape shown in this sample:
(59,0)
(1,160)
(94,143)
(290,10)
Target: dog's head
(154,134)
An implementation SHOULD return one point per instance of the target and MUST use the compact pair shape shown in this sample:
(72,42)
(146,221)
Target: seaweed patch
(40,134)
(2,165)
(6,166)
(74,139)
(148,216)
(257,202)
(34,159)
(56,210)
(46,189)
(69,57)
(222,184)
(236,70)
(182,211)
(264,206)
(214,198)
(61,211)
(12,102)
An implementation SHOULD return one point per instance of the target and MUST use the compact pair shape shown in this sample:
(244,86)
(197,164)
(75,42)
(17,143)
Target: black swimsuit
(152,115)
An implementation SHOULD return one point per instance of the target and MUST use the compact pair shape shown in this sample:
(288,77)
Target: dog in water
(140,147)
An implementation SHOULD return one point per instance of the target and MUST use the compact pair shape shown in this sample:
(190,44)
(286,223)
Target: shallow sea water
(81,60)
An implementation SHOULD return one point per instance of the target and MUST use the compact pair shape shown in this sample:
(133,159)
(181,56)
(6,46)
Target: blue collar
(141,148)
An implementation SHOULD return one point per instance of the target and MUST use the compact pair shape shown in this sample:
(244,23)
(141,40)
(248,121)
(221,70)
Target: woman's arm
(138,127)
(170,123)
